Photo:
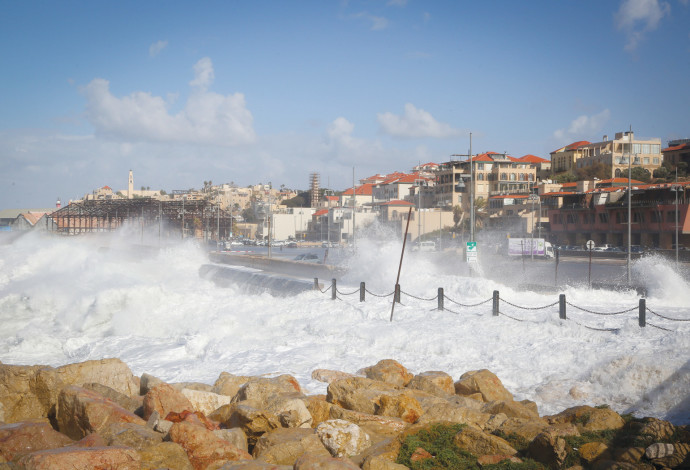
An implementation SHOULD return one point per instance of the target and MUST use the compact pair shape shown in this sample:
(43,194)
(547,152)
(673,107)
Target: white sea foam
(66,299)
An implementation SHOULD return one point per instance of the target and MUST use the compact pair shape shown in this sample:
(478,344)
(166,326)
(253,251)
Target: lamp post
(629,200)
(532,198)
(184,198)
(676,188)
(418,183)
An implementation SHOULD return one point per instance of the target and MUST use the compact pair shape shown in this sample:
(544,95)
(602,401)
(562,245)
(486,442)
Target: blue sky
(259,91)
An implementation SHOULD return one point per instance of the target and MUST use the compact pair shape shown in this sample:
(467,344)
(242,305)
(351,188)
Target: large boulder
(125,401)
(510,408)
(164,399)
(132,435)
(29,436)
(120,458)
(112,373)
(372,424)
(284,446)
(548,449)
(292,412)
(588,419)
(484,383)
(81,412)
(23,396)
(433,382)
(165,455)
(252,421)
(328,376)
(234,436)
(401,405)
(229,384)
(203,447)
(342,438)
(318,408)
(260,390)
(389,371)
(359,393)
(455,414)
(477,442)
(206,402)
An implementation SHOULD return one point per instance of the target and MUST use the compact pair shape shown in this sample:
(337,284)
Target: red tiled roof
(619,180)
(332,198)
(107,187)
(510,196)
(33,217)
(557,193)
(363,190)
(676,147)
(320,212)
(573,146)
(533,159)
(397,203)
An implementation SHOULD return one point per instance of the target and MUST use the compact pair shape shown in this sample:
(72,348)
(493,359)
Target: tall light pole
(675,189)
(629,199)
(184,198)
(533,198)
(471,193)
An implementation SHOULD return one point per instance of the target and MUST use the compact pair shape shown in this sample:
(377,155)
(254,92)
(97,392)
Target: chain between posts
(529,308)
(603,313)
(667,318)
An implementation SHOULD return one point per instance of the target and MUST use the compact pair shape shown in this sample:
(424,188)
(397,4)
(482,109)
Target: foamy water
(65,300)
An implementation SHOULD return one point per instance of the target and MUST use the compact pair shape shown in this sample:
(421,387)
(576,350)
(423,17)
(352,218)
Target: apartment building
(614,154)
(565,158)
(491,174)
(678,151)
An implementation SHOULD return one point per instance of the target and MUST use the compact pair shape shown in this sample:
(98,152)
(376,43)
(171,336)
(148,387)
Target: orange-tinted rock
(420,454)
(483,382)
(203,447)
(389,371)
(29,436)
(587,418)
(81,412)
(310,461)
(164,398)
(82,458)
(195,417)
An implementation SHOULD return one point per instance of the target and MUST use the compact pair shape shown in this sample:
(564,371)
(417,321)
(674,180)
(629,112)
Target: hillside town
(582,192)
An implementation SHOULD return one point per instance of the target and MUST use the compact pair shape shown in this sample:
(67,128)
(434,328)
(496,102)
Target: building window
(638,218)
(646,160)
(604,217)
(656,160)
(571,218)
(656,216)
(504,177)
(671,216)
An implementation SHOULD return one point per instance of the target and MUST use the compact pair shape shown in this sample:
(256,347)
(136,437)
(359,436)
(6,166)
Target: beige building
(492,174)
(565,158)
(613,154)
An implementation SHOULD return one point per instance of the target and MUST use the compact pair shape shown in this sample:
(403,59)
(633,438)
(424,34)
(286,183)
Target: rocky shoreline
(98,415)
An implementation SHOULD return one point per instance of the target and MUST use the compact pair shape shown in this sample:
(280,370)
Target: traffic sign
(590,245)
(471,251)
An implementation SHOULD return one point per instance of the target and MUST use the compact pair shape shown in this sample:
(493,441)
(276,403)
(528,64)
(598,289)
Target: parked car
(308,258)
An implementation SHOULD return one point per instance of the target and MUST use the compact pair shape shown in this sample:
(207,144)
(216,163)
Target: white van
(425,246)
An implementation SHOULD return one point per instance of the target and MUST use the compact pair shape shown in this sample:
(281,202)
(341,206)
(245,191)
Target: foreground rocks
(97,414)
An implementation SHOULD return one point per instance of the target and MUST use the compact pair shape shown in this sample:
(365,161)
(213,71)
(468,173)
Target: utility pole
(469,159)
(629,199)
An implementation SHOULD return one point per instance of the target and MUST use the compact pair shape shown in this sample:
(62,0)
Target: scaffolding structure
(176,218)
(314,189)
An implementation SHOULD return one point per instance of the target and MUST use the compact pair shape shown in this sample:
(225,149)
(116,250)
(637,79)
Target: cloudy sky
(259,91)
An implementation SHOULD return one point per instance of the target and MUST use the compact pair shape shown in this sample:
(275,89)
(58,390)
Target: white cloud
(584,126)
(203,74)
(157,47)
(207,117)
(637,17)
(415,123)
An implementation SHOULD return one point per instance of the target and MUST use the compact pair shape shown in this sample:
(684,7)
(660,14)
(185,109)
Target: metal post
(440,298)
(471,193)
(629,200)
(676,189)
(561,306)
(396,297)
(362,291)
(495,304)
(531,248)
(643,312)
(316,283)
(402,254)
(183,200)
(333,289)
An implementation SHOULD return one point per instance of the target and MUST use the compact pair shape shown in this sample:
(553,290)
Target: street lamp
(676,188)
(184,198)
(532,198)
(629,200)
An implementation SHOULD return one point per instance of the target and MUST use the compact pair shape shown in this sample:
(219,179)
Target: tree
(640,174)
(662,173)
(162,192)
(566,177)
(597,170)
(248,215)
(457,216)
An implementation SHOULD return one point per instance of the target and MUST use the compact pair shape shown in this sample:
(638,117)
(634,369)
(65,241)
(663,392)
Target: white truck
(537,247)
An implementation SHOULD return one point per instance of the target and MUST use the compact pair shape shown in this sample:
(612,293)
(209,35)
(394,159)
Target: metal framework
(176,218)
